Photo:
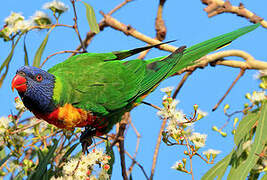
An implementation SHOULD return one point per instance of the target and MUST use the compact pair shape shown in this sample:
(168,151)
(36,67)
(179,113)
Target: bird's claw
(86,138)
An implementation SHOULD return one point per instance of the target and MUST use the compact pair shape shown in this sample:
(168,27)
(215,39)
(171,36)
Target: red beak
(19,82)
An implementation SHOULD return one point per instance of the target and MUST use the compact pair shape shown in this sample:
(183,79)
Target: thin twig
(190,156)
(122,127)
(241,73)
(101,25)
(75,26)
(141,167)
(152,105)
(208,162)
(136,148)
(26,127)
(181,83)
(155,156)
(60,52)
(160,27)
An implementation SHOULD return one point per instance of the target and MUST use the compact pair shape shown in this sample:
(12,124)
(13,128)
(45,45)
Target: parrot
(94,90)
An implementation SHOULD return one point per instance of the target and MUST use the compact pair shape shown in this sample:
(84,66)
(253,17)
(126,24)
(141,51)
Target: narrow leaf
(264,177)
(39,52)
(70,150)
(2,161)
(245,126)
(26,58)
(90,14)
(7,61)
(241,172)
(110,152)
(41,169)
(219,169)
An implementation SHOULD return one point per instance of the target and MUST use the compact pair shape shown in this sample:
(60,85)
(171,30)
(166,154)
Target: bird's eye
(39,78)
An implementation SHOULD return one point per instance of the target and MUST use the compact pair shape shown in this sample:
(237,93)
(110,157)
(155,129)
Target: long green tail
(188,58)
(199,50)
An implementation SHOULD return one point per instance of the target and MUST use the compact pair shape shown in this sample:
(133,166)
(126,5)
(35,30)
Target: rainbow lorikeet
(94,90)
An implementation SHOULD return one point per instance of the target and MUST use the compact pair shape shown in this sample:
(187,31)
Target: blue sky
(188,24)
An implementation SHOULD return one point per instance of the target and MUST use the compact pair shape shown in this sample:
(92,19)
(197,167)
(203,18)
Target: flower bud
(224,134)
(184,161)
(180,166)
(227,106)
(248,96)
(235,120)
(195,107)
(214,128)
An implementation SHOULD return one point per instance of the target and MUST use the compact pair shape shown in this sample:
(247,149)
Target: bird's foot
(86,138)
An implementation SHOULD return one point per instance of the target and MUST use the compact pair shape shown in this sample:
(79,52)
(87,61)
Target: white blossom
(259,74)
(19,105)
(70,166)
(198,139)
(56,6)
(4,123)
(177,165)
(167,89)
(211,151)
(15,23)
(85,163)
(22,25)
(202,113)
(13,18)
(257,96)
(40,18)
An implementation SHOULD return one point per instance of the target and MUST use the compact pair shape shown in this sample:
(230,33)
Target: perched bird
(94,90)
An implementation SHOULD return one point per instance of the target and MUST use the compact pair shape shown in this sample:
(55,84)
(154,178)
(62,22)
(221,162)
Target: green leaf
(41,170)
(70,150)
(26,58)
(264,177)
(90,14)
(110,152)
(219,169)
(241,172)
(2,161)
(7,60)
(39,52)
(245,126)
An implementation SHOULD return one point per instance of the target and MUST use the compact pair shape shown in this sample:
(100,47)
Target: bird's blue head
(35,87)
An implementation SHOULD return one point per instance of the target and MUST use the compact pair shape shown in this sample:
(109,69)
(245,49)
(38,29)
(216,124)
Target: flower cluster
(83,168)
(56,6)
(180,130)
(41,19)
(16,23)
(256,97)
(198,139)
(19,105)
(4,123)
(211,153)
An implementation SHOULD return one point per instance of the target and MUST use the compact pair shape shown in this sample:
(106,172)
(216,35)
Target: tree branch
(215,7)
(155,156)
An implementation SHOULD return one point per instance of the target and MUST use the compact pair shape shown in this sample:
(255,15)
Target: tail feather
(157,70)
(197,51)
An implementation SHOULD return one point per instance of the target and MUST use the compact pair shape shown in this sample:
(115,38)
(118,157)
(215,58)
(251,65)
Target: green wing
(102,83)
(97,83)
